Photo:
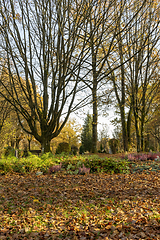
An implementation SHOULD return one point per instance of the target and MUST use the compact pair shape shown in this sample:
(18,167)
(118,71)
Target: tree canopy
(41,55)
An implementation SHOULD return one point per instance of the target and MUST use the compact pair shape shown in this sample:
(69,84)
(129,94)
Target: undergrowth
(69,164)
(48,163)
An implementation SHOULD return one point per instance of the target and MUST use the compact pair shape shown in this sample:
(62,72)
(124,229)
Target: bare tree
(102,22)
(103,28)
(143,84)
(42,55)
(106,32)
(138,58)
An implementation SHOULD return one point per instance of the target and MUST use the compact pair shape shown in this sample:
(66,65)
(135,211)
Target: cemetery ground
(68,205)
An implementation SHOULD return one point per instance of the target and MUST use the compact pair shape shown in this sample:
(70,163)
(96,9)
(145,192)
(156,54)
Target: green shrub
(74,149)
(108,165)
(71,164)
(81,149)
(9,151)
(6,164)
(96,164)
(63,147)
(30,164)
(46,156)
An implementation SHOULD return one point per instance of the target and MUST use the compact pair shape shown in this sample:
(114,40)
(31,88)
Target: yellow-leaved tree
(70,133)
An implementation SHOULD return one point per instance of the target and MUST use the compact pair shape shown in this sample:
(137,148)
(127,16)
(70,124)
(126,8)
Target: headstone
(110,151)
(16,153)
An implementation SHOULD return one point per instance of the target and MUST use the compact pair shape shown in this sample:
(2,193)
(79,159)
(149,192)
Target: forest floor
(93,206)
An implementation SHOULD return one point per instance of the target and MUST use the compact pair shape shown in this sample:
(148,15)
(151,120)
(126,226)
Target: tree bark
(137,132)
(124,131)
(29,144)
(17,143)
(94,124)
(142,136)
(129,127)
(45,145)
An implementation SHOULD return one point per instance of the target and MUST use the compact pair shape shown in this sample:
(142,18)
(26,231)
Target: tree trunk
(29,144)
(138,142)
(45,145)
(147,143)
(158,146)
(94,124)
(17,143)
(12,143)
(94,130)
(142,138)
(124,132)
(129,128)
(137,134)
(143,113)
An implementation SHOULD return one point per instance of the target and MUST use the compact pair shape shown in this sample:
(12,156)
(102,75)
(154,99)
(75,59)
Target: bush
(9,151)
(74,149)
(30,164)
(81,149)
(46,156)
(63,147)
(72,164)
(108,165)
(55,168)
(143,156)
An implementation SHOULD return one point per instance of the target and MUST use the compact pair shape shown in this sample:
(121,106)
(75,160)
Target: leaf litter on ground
(91,206)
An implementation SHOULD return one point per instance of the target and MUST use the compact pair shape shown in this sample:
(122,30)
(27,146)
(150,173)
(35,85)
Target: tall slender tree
(86,136)
(142,84)
(105,31)
(101,28)
(138,56)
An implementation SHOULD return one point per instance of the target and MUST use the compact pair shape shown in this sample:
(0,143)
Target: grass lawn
(91,206)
